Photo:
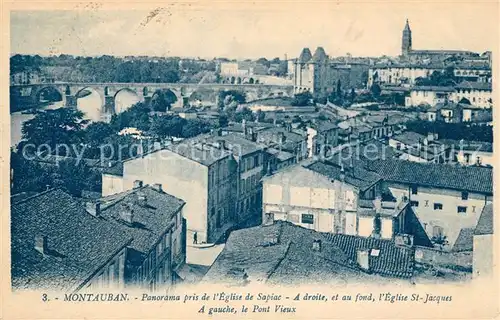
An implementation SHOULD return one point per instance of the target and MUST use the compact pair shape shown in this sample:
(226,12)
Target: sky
(256,29)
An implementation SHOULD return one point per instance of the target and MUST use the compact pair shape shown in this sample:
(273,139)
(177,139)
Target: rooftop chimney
(377,204)
(268,218)
(281,137)
(430,137)
(141,198)
(363,259)
(221,144)
(157,187)
(41,244)
(93,207)
(316,245)
(342,173)
(127,214)
(244,125)
(137,184)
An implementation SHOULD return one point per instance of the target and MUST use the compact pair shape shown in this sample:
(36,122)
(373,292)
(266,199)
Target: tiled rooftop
(472,178)
(391,260)
(152,217)
(409,138)
(282,253)
(464,240)
(356,176)
(199,151)
(79,243)
(474,85)
(485,223)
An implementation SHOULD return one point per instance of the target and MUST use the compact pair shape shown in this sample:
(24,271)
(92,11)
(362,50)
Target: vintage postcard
(250,159)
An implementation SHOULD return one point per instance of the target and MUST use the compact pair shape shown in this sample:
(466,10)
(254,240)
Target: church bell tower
(406,43)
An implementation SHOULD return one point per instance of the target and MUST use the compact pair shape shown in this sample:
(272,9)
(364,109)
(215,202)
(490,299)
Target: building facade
(217,176)
(321,197)
(446,199)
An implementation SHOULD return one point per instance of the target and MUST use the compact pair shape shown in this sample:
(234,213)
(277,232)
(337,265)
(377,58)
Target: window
(467,157)
(438,206)
(437,231)
(461,209)
(256,161)
(465,195)
(414,189)
(307,218)
(414,203)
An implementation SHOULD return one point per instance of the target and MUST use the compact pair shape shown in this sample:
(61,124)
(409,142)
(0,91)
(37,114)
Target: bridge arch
(90,102)
(49,93)
(162,98)
(124,99)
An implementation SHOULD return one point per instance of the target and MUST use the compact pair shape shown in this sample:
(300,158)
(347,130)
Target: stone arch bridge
(29,94)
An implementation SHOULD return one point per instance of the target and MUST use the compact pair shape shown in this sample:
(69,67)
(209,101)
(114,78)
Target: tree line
(110,69)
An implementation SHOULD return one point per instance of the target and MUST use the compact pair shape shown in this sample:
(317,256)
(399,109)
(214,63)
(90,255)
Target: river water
(90,105)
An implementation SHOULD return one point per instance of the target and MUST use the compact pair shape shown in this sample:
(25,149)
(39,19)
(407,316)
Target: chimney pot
(41,244)
(137,184)
(157,187)
(363,259)
(316,245)
(93,207)
(127,214)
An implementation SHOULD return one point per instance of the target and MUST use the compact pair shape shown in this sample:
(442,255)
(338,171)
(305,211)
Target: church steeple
(406,43)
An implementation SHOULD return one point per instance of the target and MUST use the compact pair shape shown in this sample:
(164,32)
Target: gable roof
(466,178)
(409,137)
(282,253)
(79,243)
(199,151)
(464,240)
(474,85)
(356,176)
(485,223)
(298,176)
(151,218)
(391,260)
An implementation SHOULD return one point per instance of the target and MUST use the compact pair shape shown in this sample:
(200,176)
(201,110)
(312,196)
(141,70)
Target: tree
(243,114)
(375,90)
(339,89)
(163,99)
(223,121)
(195,127)
(52,127)
(302,99)
(264,61)
(352,95)
(96,132)
(260,115)
(167,126)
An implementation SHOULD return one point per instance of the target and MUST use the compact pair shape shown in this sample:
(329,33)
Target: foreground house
(445,198)
(136,238)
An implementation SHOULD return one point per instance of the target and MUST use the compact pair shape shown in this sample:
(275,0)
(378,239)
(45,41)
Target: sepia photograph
(190,144)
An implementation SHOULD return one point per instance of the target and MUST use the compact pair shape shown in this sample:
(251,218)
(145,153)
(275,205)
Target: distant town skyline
(264,30)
